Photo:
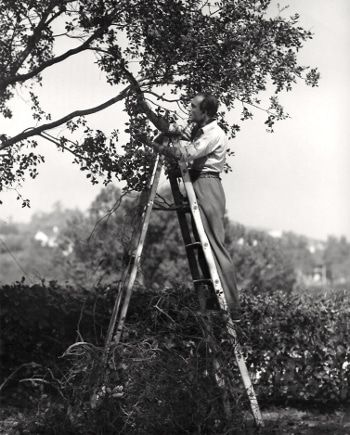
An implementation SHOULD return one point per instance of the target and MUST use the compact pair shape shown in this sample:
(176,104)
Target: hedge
(297,350)
(299,346)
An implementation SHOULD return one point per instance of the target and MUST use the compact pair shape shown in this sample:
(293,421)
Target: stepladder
(201,263)
(197,246)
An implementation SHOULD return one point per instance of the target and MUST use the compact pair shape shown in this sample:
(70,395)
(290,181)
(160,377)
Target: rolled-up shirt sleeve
(198,148)
(207,152)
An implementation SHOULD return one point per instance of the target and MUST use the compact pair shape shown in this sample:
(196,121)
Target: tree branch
(159,122)
(34,38)
(57,142)
(38,130)
(23,77)
(162,98)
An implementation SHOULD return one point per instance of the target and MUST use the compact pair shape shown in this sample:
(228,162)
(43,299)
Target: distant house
(319,275)
(45,240)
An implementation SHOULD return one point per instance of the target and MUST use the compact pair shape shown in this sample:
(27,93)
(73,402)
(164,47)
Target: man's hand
(174,130)
(157,144)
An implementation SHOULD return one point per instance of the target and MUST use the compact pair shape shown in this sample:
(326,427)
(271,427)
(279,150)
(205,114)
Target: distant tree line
(91,249)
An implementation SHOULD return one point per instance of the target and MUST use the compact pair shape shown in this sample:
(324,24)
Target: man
(206,152)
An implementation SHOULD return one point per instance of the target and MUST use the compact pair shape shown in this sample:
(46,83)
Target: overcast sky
(296,179)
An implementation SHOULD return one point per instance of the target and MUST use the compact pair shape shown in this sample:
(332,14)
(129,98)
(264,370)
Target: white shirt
(207,152)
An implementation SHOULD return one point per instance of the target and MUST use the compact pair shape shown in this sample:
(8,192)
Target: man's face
(196,115)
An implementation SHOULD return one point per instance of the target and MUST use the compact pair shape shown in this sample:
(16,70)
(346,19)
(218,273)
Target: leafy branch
(35,131)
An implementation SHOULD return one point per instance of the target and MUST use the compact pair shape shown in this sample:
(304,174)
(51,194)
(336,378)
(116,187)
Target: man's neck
(205,122)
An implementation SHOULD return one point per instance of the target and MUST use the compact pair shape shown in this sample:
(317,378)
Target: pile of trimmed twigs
(173,372)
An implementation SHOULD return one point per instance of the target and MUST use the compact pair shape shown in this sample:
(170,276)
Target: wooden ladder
(189,205)
(184,205)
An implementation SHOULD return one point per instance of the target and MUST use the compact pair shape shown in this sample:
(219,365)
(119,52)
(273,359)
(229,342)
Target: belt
(208,174)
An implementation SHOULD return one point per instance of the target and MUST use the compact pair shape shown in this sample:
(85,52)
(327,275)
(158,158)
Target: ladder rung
(182,208)
(175,172)
(193,245)
(202,281)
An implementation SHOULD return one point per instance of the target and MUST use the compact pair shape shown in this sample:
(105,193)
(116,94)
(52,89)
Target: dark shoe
(236,315)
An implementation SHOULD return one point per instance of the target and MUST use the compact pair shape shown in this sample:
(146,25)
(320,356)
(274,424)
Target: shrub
(160,379)
(298,346)
(39,322)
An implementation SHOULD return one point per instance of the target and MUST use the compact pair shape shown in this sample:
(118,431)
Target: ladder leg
(245,376)
(126,287)
(185,232)
(188,240)
(146,218)
(217,367)
(209,258)
(114,316)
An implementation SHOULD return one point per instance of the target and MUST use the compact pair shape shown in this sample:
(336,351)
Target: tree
(298,248)
(157,54)
(28,250)
(91,246)
(337,260)
(94,248)
(262,262)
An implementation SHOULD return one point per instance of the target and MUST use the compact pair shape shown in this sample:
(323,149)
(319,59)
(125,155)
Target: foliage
(298,248)
(95,248)
(337,259)
(299,346)
(28,250)
(161,53)
(261,261)
(137,381)
(90,249)
(297,351)
(40,321)
(159,380)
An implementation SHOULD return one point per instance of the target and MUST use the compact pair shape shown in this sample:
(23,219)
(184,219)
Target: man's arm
(172,152)
(195,149)
(169,129)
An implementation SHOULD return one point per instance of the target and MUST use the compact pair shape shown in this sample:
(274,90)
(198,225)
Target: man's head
(203,108)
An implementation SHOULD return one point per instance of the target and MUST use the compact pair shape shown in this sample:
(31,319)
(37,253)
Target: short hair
(209,104)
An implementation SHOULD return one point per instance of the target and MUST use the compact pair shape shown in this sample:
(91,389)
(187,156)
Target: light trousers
(212,204)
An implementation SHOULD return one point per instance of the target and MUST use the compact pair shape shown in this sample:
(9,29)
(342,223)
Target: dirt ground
(277,421)
(297,422)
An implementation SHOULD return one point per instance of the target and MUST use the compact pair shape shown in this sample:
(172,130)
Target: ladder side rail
(202,235)
(116,307)
(218,289)
(146,218)
(126,274)
(247,382)
(134,262)
(184,227)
